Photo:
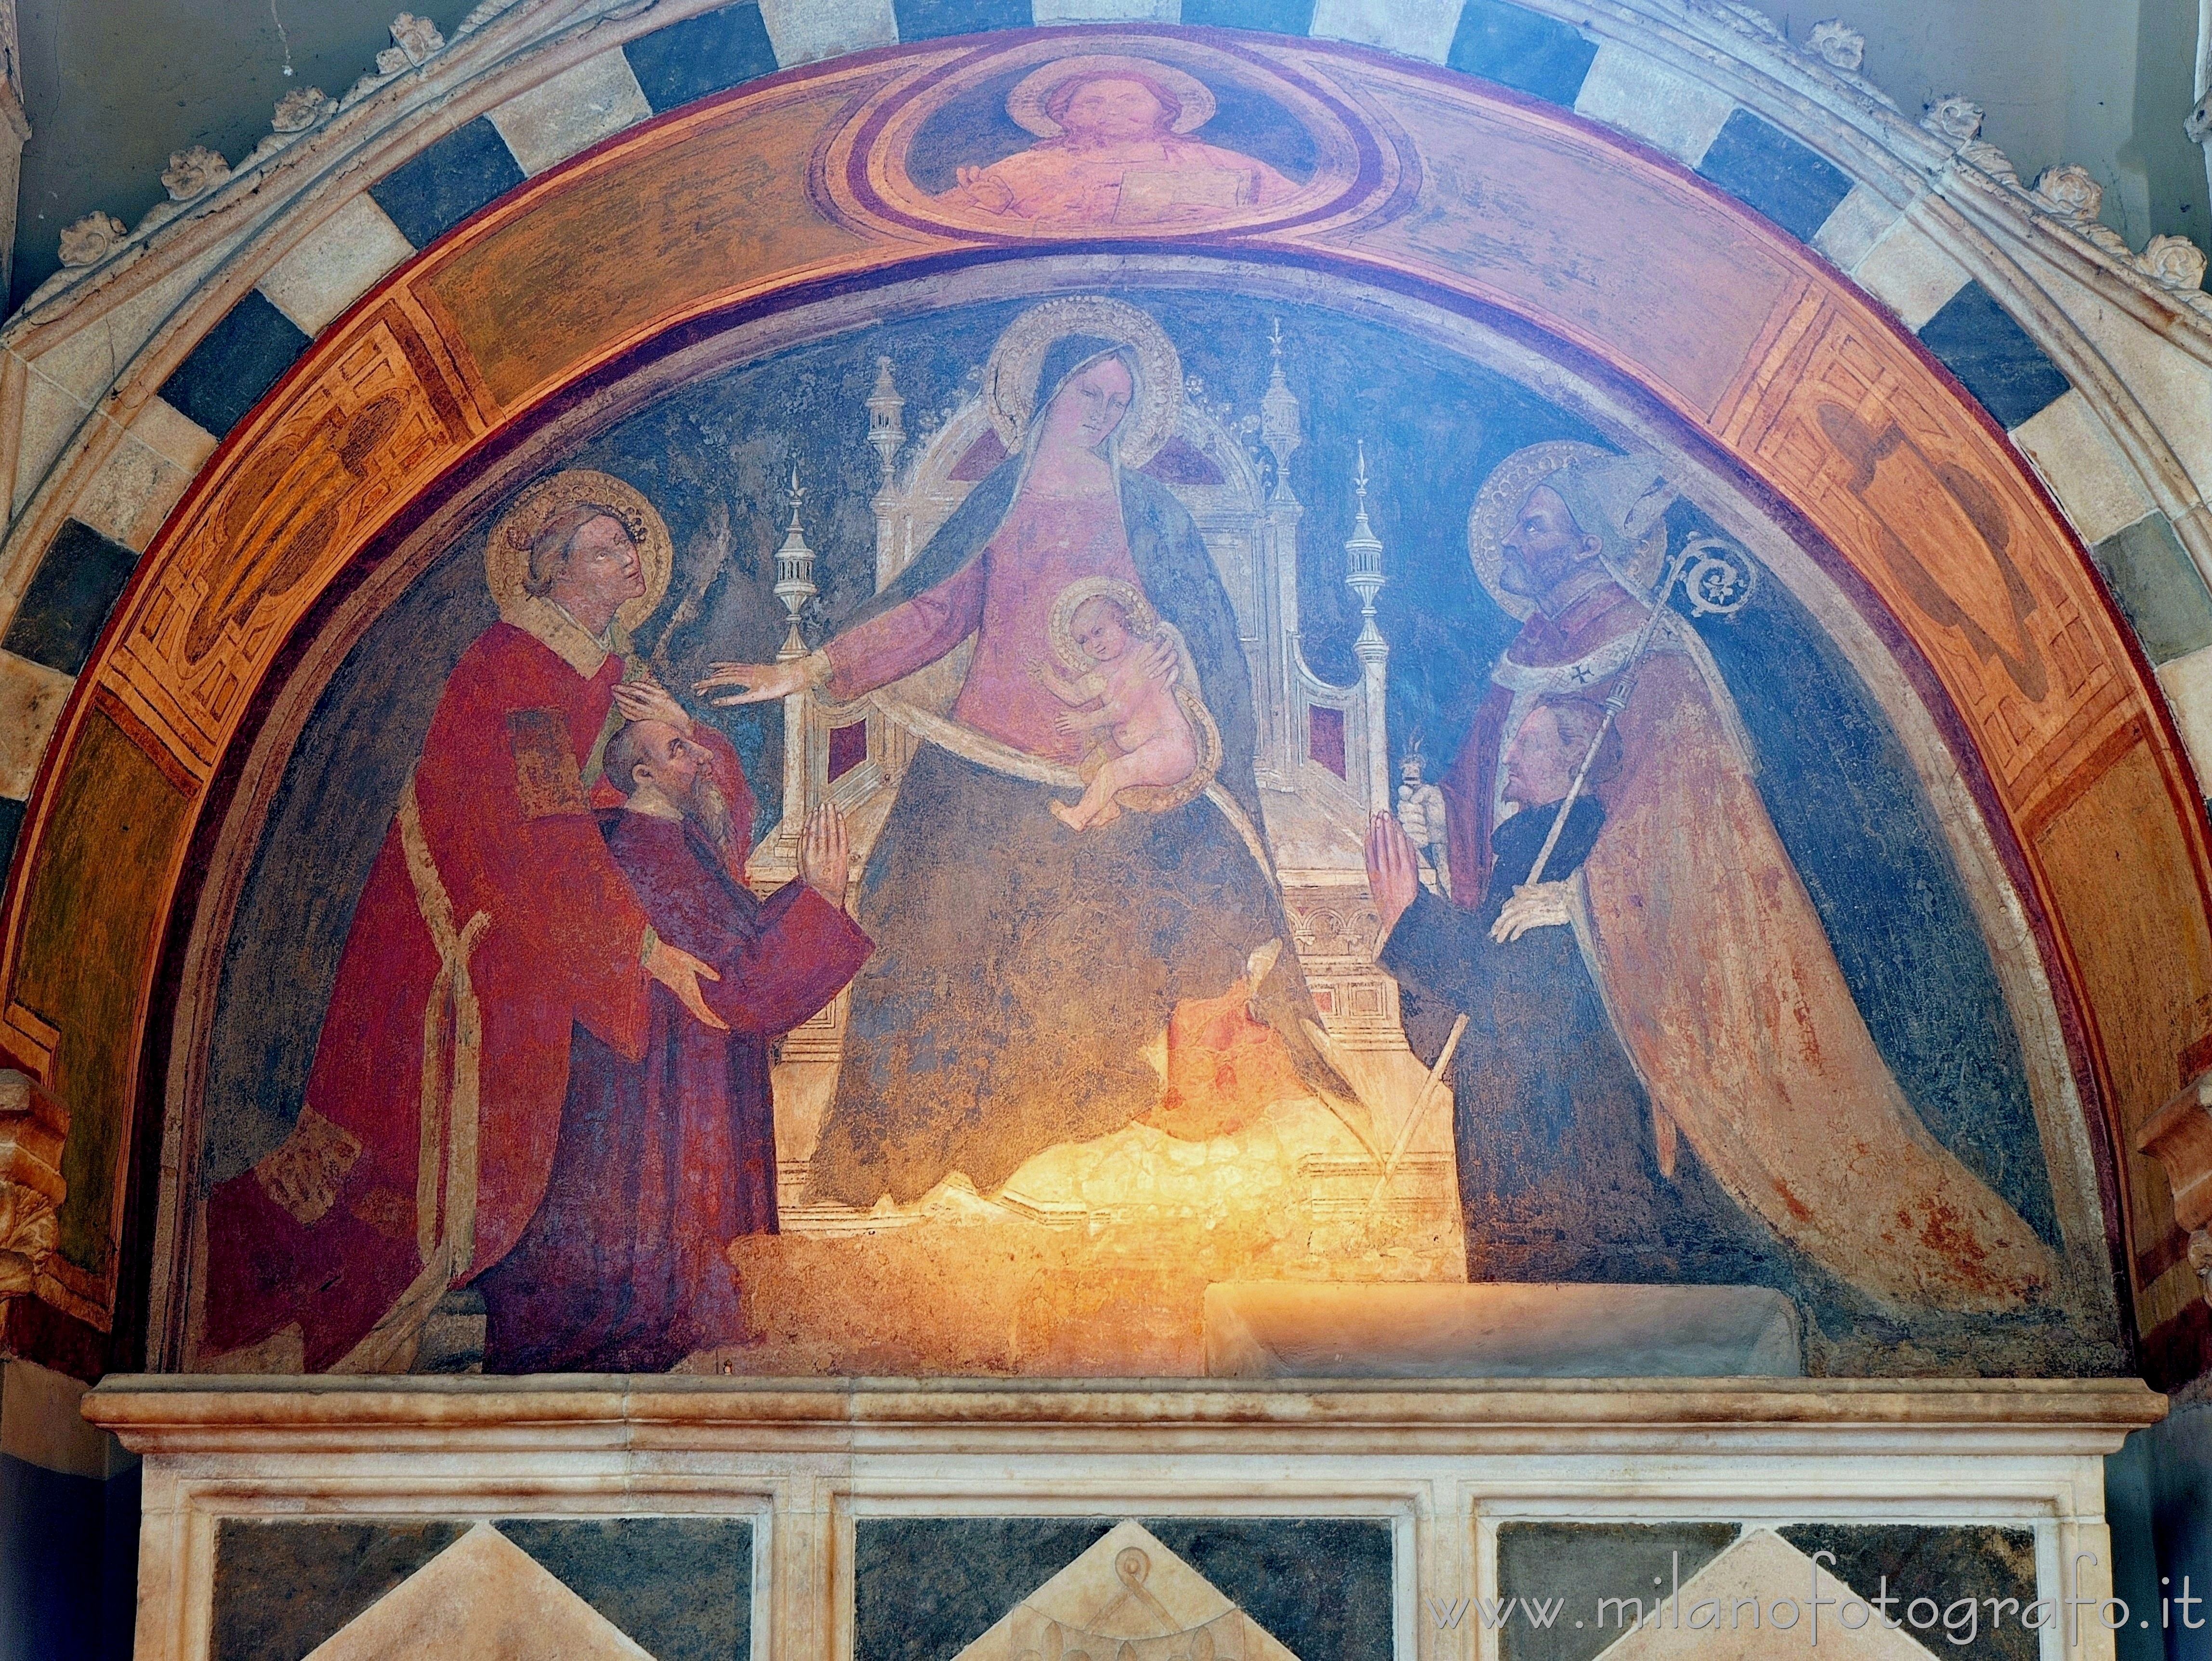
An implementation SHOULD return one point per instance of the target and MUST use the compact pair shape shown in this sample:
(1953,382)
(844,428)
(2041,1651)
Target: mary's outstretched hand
(756,683)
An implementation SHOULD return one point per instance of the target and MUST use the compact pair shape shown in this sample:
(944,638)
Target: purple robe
(664,1161)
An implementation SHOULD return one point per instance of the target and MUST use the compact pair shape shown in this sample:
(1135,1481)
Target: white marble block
(1628,90)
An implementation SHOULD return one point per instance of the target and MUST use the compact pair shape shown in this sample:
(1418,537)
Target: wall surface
(1932,446)
(2104,84)
(68,1524)
(115,87)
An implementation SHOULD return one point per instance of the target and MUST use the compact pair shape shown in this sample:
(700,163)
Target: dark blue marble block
(437,190)
(80,578)
(236,361)
(1524,50)
(1276,16)
(933,20)
(2158,587)
(708,53)
(1977,340)
(1764,168)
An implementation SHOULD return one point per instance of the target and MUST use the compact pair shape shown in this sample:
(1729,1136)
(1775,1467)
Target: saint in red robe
(494,923)
(664,1161)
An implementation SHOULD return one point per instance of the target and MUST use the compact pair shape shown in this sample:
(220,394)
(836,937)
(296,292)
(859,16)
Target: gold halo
(1025,103)
(1009,381)
(1497,508)
(1060,629)
(507,555)
(1145,621)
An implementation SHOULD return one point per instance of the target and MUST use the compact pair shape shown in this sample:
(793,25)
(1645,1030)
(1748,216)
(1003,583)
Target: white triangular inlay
(483,1598)
(1719,1624)
(1128,1598)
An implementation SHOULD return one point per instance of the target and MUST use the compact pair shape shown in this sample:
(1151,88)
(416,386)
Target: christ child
(1119,696)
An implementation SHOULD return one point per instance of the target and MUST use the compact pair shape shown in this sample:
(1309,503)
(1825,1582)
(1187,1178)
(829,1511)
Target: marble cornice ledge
(259,1416)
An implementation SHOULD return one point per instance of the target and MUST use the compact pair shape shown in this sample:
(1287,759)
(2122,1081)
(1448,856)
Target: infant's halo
(1144,622)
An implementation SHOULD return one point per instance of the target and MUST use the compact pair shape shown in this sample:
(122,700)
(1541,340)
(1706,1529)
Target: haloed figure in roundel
(1114,149)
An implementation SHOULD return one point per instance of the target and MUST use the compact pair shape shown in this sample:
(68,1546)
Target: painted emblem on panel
(1127,1595)
(955,847)
(1160,137)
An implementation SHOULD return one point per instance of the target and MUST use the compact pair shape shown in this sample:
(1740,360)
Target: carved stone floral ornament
(413,39)
(301,108)
(194,172)
(1953,117)
(1838,45)
(296,112)
(2174,261)
(1957,120)
(2071,192)
(91,239)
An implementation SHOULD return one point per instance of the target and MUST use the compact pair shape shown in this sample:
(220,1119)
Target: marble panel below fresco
(1540,1520)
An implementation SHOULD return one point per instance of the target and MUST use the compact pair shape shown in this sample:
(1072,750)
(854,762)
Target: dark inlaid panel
(236,361)
(1945,1566)
(2158,587)
(79,578)
(924,1588)
(931,19)
(1321,1585)
(440,188)
(1566,1569)
(1977,340)
(1276,16)
(680,1586)
(283,1588)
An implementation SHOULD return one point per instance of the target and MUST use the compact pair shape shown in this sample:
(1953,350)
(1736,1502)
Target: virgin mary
(1022,968)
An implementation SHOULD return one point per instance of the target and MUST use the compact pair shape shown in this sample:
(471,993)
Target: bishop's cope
(530,1043)
(1656,1008)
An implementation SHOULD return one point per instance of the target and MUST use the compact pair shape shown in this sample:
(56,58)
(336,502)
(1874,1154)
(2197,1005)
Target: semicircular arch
(664,238)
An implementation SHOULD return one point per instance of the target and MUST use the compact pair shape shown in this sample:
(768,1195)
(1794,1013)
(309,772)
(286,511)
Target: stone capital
(2179,1137)
(32,1127)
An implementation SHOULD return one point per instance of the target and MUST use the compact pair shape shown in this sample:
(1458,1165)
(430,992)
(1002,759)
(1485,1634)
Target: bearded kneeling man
(663,1161)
